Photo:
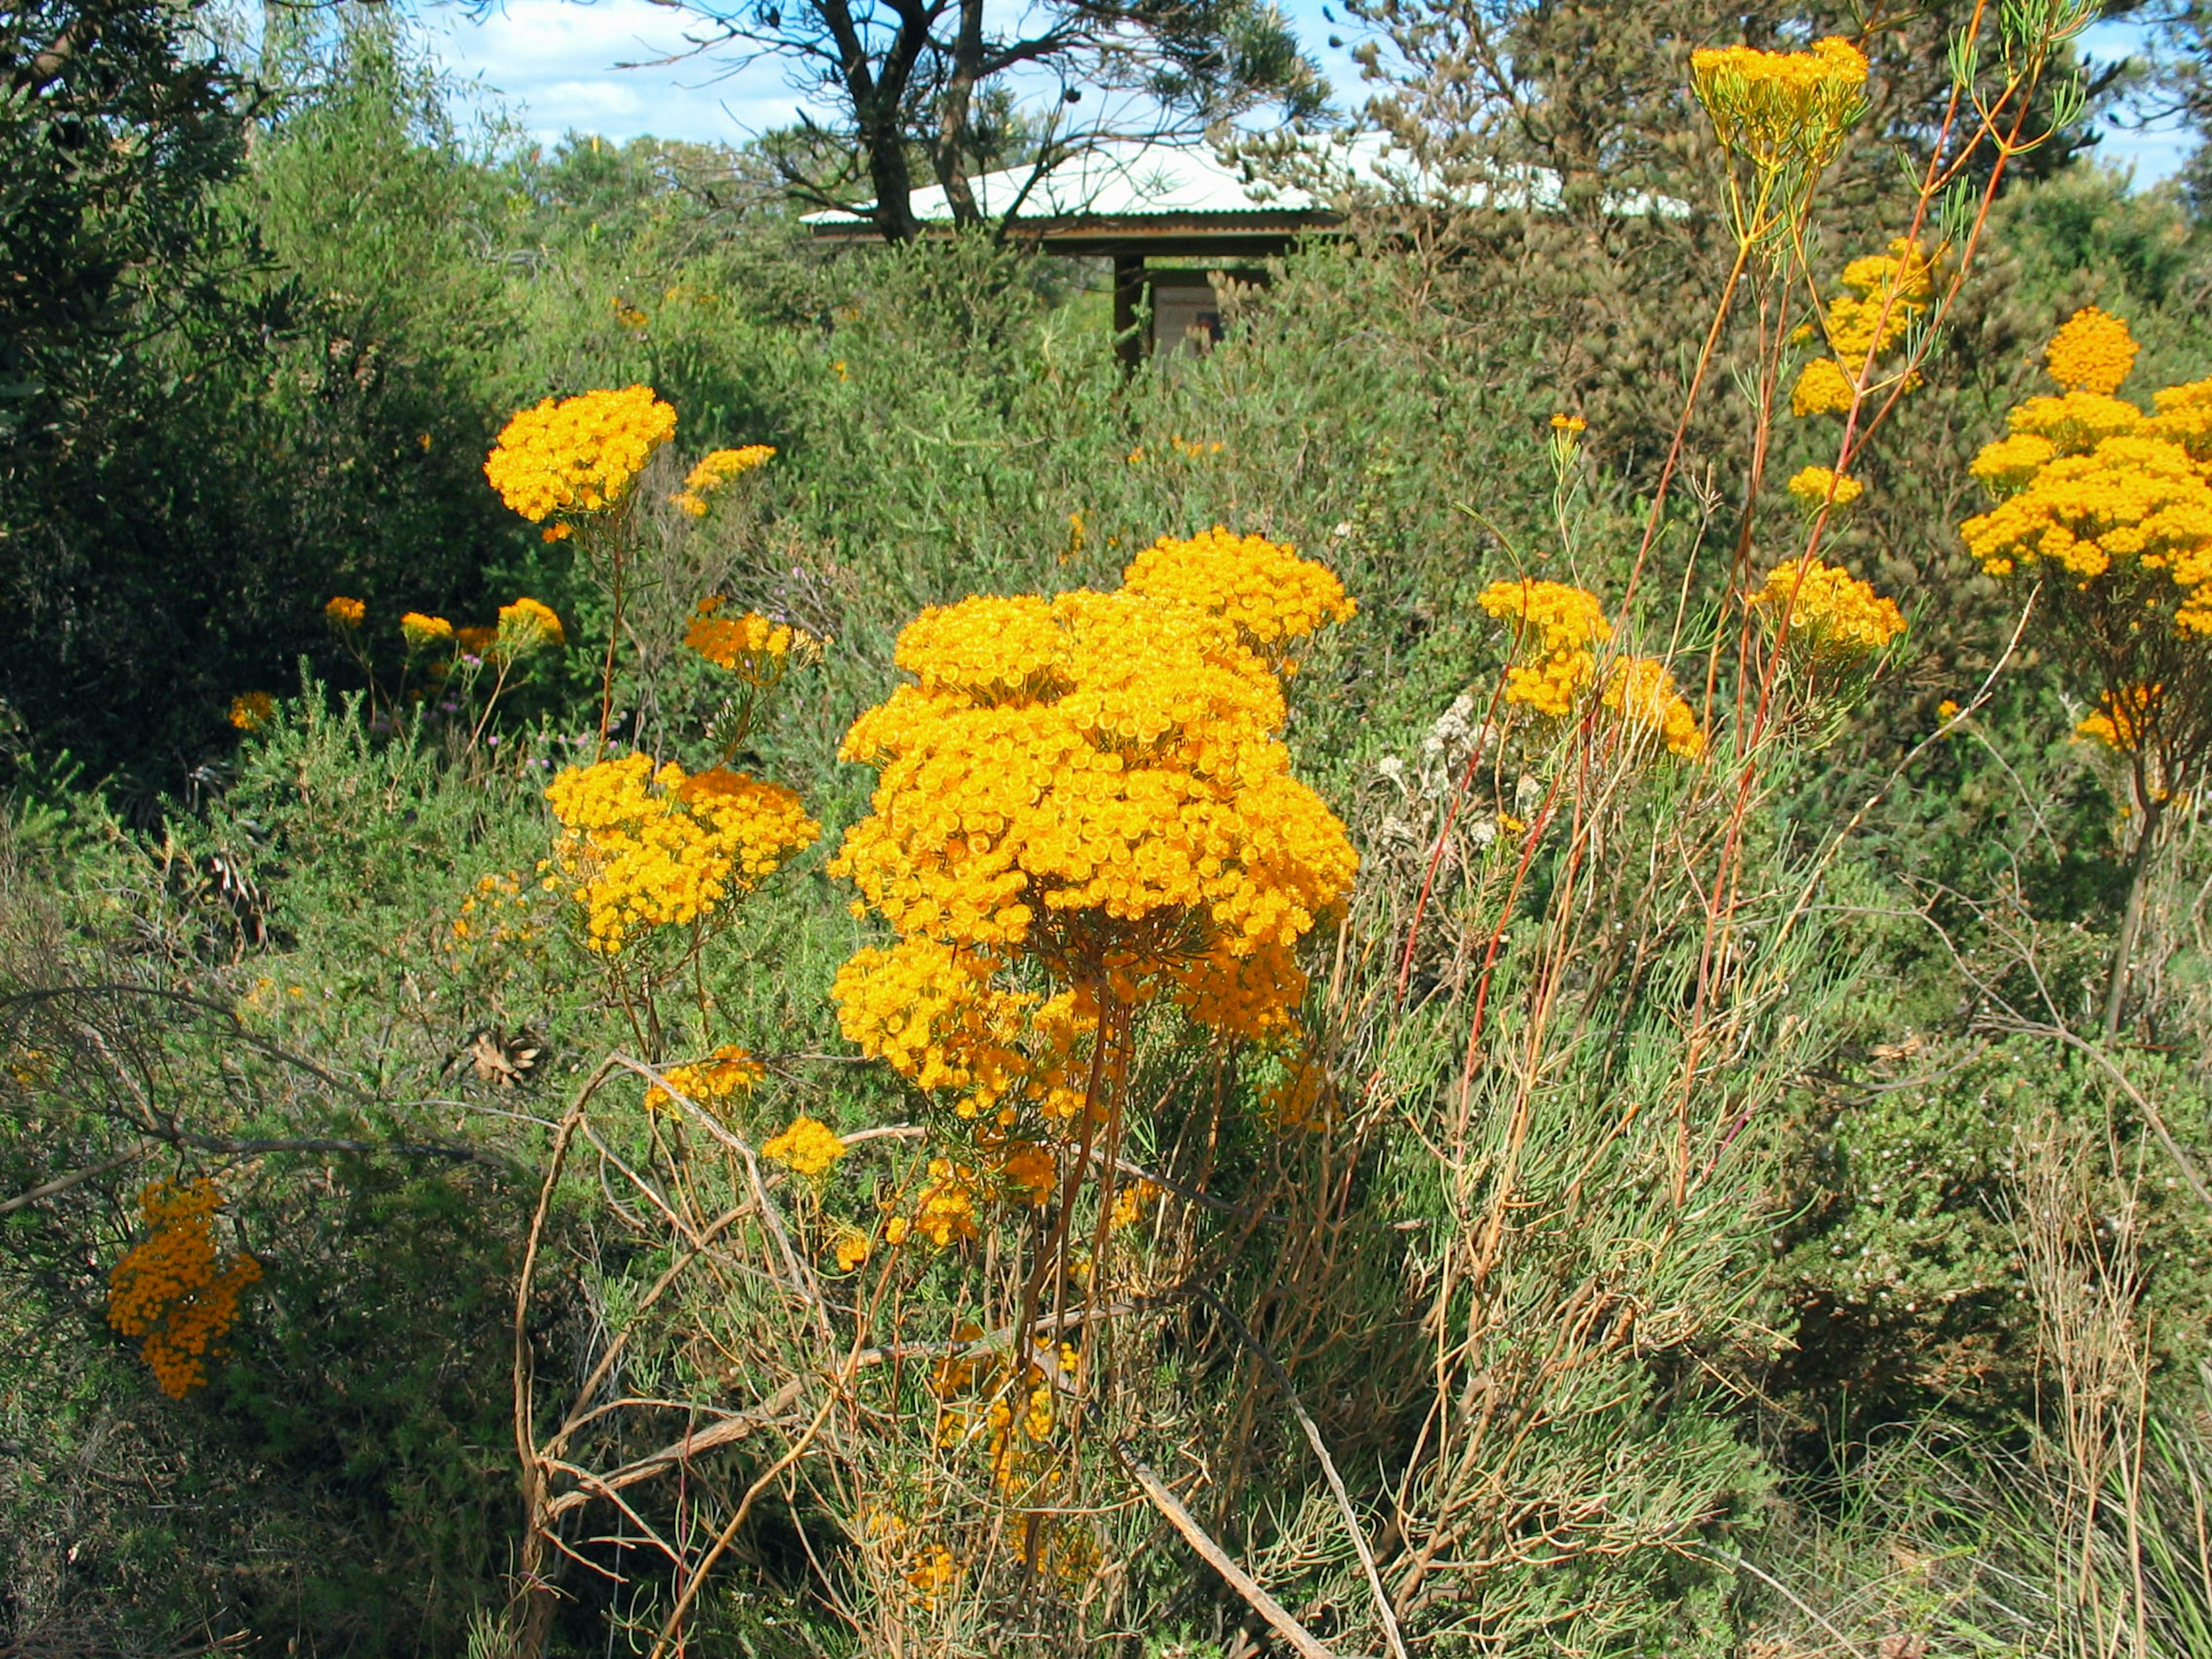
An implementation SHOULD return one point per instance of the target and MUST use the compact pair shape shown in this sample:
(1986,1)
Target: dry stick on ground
(1328,1468)
(1277,1615)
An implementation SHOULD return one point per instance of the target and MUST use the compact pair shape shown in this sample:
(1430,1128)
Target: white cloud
(553,64)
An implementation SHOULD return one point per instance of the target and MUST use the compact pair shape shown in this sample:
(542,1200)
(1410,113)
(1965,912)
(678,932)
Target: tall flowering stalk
(570,467)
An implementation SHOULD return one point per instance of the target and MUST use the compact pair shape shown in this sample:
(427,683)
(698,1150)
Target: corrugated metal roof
(1132,181)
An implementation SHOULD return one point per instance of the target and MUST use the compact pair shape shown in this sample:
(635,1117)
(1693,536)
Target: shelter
(1135,202)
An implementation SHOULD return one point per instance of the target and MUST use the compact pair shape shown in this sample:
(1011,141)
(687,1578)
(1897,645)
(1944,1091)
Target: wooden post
(1128,290)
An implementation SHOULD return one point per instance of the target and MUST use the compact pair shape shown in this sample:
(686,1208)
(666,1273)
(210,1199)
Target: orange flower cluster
(1557,629)
(1641,694)
(579,454)
(755,648)
(2125,721)
(172,1290)
(1096,786)
(716,468)
(645,848)
(1777,108)
(732,1070)
(2119,501)
(1835,621)
(1883,295)
(1271,595)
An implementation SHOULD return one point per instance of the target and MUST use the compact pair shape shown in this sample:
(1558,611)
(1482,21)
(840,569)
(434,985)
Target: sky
(554,66)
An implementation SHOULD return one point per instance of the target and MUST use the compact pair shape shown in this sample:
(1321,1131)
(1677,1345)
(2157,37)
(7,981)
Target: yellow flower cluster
(251,710)
(423,633)
(754,647)
(1816,487)
(645,848)
(1776,108)
(716,468)
(172,1290)
(579,454)
(344,613)
(944,1211)
(1557,628)
(2184,420)
(496,913)
(1830,612)
(2091,352)
(526,627)
(1272,596)
(806,1148)
(2135,504)
(1095,784)
(1883,295)
(2124,721)
(1641,692)
(732,1070)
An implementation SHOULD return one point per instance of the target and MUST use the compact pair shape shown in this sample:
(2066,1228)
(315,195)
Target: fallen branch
(1277,1615)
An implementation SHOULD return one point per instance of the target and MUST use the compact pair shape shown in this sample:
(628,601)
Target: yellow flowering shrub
(173,1289)
(1776,107)
(1557,629)
(2135,508)
(731,1072)
(1272,596)
(2092,352)
(579,455)
(1834,619)
(1098,783)
(805,1147)
(716,468)
(644,848)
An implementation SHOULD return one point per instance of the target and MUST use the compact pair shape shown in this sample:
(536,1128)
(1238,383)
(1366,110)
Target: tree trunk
(2116,992)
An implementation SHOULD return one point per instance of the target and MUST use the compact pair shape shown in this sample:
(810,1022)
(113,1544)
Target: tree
(940,81)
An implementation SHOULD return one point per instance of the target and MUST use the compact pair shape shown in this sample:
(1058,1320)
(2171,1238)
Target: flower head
(344,613)
(1816,487)
(757,649)
(1641,692)
(579,454)
(251,710)
(173,1290)
(1833,616)
(806,1148)
(716,468)
(731,1072)
(1272,596)
(524,628)
(644,848)
(1776,107)
(424,633)
(2091,352)
(2124,721)
(1557,629)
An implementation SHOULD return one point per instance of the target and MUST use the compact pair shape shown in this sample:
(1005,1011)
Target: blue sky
(554,64)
